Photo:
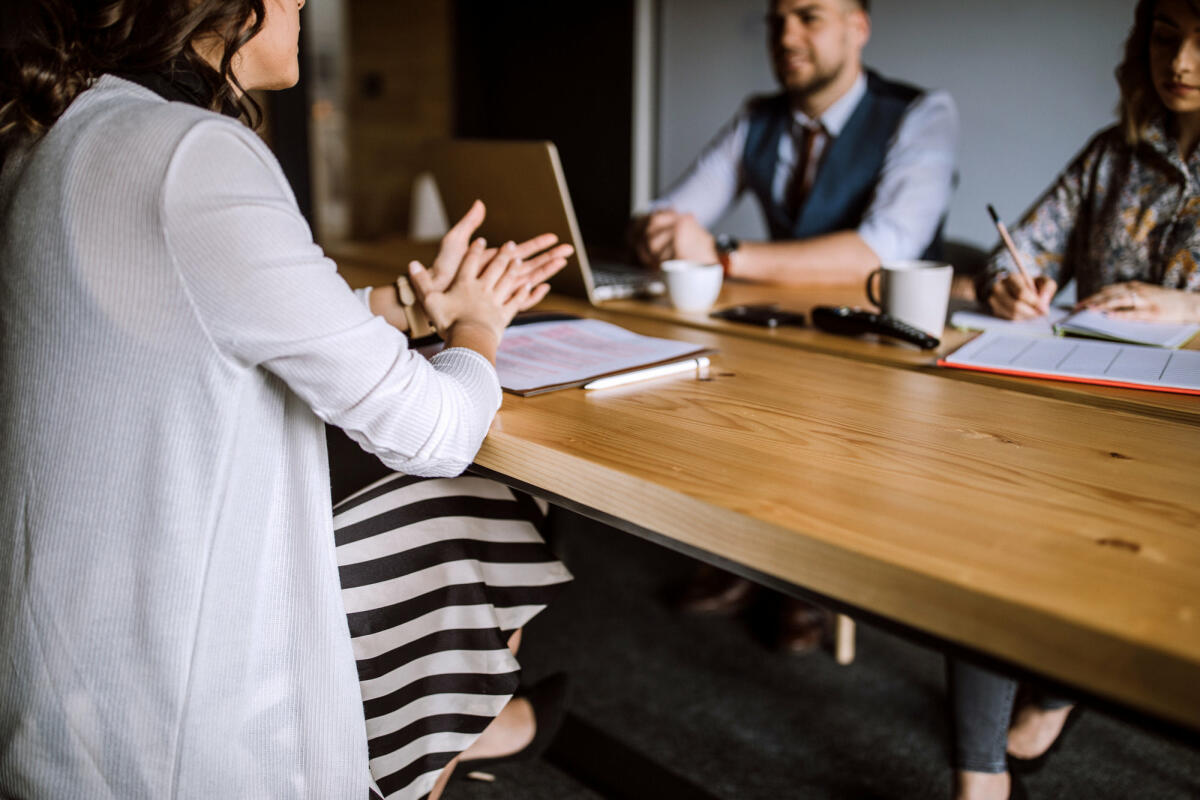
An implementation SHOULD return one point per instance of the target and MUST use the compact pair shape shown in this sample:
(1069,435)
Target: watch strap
(419,324)
(726,246)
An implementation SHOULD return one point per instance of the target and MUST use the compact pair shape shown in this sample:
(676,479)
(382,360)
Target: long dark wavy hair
(51,50)
(1139,99)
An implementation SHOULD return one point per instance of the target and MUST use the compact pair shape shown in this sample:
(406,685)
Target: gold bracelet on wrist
(419,324)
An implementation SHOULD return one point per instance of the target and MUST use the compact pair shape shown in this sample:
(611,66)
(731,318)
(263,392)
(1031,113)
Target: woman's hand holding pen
(1135,300)
(1013,298)
(1018,295)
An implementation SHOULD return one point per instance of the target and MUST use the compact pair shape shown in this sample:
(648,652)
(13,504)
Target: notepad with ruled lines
(1080,361)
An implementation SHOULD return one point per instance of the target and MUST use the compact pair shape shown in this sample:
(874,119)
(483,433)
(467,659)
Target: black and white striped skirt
(436,576)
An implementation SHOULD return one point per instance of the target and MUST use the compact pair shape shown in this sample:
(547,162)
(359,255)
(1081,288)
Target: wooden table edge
(1001,629)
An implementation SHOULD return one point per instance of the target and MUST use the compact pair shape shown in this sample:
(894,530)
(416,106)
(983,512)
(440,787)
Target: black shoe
(803,627)
(550,697)
(1029,766)
(716,592)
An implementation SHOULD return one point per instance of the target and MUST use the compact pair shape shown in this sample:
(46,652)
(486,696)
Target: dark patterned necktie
(802,177)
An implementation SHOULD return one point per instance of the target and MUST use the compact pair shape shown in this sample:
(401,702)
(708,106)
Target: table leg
(843,640)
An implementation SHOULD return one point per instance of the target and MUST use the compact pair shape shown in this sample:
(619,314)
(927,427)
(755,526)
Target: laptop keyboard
(606,278)
(615,281)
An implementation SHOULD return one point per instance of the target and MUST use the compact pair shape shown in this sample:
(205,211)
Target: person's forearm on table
(834,258)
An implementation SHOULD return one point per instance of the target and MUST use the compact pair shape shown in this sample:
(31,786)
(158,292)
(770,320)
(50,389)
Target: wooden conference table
(1056,532)
(897,354)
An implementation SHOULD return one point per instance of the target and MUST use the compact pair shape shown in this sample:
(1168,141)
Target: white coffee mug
(692,286)
(916,292)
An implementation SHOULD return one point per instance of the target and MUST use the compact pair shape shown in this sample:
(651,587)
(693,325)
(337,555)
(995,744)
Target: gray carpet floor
(706,699)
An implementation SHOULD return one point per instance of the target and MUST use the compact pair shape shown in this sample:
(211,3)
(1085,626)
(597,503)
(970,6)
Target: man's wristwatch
(726,246)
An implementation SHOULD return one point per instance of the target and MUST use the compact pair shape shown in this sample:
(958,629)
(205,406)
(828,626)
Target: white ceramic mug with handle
(916,292)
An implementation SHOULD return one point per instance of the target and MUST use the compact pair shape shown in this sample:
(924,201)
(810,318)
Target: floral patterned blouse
(1117,213)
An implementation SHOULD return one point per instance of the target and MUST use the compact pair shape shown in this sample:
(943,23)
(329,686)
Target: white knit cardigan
(170,341)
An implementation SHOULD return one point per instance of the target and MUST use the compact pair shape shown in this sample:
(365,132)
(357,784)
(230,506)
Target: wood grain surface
(1061,537)
(1047,528)
(882,350)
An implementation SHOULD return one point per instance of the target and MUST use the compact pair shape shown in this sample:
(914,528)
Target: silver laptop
(523,186)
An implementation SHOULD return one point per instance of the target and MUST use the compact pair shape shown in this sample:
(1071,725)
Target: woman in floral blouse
(1123,220)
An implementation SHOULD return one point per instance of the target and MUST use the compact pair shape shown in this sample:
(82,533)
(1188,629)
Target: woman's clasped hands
(470,285)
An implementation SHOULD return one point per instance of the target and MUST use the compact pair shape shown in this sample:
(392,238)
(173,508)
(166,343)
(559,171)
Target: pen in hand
(1011,246)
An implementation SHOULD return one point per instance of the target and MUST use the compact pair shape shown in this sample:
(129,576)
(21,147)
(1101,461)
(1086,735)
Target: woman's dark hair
(51,50)
(1139,100)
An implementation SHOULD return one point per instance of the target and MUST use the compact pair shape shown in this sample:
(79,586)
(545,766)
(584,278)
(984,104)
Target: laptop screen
(523,187)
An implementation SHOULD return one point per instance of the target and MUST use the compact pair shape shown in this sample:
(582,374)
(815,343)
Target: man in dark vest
(849,169)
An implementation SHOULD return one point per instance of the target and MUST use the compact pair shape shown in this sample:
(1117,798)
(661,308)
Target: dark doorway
(560,71)
(288,114)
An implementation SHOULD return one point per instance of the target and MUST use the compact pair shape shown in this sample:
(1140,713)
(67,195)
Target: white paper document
(543,356)
(1095,324)
(1102,326)
(982,321)
(1080,360)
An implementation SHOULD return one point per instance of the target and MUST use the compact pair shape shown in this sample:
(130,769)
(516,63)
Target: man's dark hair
(865,5)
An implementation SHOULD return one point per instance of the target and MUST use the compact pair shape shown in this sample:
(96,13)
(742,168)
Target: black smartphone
(768,315)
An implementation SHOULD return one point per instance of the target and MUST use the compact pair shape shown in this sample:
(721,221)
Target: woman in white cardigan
(171,339)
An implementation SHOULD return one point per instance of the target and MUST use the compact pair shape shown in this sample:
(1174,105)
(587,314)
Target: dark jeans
(981,703)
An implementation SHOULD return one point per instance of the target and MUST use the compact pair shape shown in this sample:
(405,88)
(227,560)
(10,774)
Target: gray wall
(1032,80)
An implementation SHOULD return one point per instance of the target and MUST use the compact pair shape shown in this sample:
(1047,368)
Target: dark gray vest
(850,166)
